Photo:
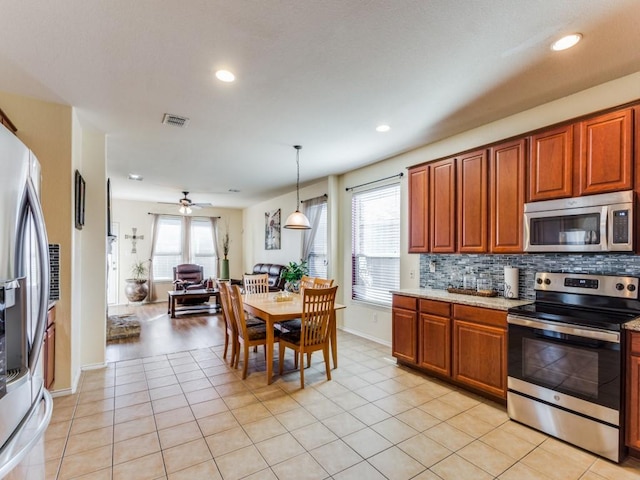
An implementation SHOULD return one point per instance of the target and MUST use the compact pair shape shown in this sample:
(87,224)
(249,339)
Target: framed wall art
(79,200)
(272,230)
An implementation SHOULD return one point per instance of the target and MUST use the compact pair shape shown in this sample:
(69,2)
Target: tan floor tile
(487,458)
(127,414)
(89,440)
(335,456)
(169,403)
(266,474)
(393,405)
(62,414)
(627,470)
(450,437)
(91,422)
(580,457)
(426,475)
(190,376)
(455,467)
(202,395)
(232,388)
(54,449)
(350,400)
(281,405)
(529,434)
(164,381)
(394,430)
(294,419)
(135,448)
(143,468)
(369,414)
(461,399)
(165,391)
(343,424)
(134,428)
(425,450)
(251,413)
(490,412)
(507,443)
(171,418)
(217,423)
(186,455)
(240,400)
(372,393)
(302,467)
(418,420)
(520,471)
(305,396)
(131,388)
(470,425)
(131,378)
(360,471)
(205,470)
(57,430)
(66,401)
(132,399)
(228,441)
(552,465)
(440,409)
(324,409)
(278,449)
(183,433)
(96,395)
(240,463)
(85,462)
(264,429)
(591,476)
(91,408)
(314,435)
(394,464)
(194,385)
(210,407)
(367,442)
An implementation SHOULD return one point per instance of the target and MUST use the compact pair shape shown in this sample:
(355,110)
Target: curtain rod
(399,175)
(308,199)
(180,215)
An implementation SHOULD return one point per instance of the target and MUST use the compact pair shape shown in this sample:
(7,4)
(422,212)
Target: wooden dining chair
(231,329)
(322,283)
(306,282)
(256,283)
(248,336)
(314,334)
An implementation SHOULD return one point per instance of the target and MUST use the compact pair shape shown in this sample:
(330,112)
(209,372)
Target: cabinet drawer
(487,316)
(634,343)
(435,307)
(409,303)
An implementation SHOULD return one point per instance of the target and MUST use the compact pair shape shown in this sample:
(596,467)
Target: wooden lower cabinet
(633,391)
(404,320)
(434,336)
(49,349)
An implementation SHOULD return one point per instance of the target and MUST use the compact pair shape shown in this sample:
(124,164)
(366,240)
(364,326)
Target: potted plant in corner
(224,267)
(136,288)
(292,275)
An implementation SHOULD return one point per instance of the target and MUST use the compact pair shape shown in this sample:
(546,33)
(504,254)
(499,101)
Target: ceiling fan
(186,205)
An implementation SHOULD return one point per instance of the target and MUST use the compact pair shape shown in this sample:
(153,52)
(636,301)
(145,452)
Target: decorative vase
(224,269)
(136,290)
(293,286)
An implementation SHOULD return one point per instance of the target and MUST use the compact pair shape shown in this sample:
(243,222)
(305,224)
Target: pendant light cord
(297,147)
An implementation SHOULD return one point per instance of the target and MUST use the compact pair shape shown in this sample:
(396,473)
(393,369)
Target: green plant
(225,241)
(139,270)
(294,271)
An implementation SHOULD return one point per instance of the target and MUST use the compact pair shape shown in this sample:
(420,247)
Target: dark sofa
(276,282)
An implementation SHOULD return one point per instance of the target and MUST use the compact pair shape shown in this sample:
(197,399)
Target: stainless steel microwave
(595,223)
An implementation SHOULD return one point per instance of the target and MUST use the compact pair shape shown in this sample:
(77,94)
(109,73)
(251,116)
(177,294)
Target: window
(168,251)
(375,253)
(317,256)
(173,246)
(202,248)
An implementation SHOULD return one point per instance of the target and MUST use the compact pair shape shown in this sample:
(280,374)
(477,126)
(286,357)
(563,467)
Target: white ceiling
(321,74)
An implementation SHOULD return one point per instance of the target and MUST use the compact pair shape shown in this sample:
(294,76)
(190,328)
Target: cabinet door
(435,343)
(404,341)
(479,358)
(605,153)
(633,392)
(49,355)
(442,205)
(506,186)
(419,209)
(472,202)
(551,164)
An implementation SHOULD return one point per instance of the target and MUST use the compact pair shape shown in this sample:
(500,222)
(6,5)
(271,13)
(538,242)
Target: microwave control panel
(620,226)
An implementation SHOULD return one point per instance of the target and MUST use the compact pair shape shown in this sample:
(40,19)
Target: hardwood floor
(160,334)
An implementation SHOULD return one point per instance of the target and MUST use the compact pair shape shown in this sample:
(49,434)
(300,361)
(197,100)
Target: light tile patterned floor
(189,416)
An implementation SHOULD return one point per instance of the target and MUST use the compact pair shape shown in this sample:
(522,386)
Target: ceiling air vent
(175,120)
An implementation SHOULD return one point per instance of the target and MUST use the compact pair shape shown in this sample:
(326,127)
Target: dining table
(277,307)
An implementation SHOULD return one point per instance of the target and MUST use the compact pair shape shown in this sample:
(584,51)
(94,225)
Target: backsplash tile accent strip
(54,271)
(529,264)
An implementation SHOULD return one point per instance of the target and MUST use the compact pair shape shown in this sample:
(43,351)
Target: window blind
(202,248)
(168,251)
(317,259)
(375,216)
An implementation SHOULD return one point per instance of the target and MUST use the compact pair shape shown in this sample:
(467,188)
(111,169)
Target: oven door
(573,367)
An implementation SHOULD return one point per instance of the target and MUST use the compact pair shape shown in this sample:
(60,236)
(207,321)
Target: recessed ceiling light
(383,128)
(225,76)
(135,176)
(565,42)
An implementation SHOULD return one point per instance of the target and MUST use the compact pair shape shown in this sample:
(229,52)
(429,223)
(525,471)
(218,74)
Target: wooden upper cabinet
(419,209)
(605,153)
(551,164)
(472,202)
(506,191)
(442,206)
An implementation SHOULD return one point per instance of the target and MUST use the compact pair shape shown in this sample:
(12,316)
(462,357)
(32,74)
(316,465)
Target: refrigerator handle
(30,202)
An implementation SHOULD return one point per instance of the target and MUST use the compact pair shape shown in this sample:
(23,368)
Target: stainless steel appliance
(595,223)
(565,358)
(25,406)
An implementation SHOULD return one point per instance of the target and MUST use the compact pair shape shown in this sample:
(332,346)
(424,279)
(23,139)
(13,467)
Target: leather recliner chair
(189,276)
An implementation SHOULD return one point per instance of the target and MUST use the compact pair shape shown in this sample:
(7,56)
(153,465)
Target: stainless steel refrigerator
(25,405)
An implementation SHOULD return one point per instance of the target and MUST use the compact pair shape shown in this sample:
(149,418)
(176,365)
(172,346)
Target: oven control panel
(607,285)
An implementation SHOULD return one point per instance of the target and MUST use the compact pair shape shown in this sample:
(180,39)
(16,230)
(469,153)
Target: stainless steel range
(565,358)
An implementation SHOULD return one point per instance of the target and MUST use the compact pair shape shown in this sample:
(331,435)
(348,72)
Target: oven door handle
(584,332)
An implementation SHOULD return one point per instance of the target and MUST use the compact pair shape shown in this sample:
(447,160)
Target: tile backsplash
(529,264)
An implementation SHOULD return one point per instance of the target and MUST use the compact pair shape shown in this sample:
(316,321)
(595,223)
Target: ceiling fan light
(184,210)
(297,221)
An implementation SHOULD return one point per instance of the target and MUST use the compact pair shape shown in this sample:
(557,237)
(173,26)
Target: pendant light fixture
(297,220)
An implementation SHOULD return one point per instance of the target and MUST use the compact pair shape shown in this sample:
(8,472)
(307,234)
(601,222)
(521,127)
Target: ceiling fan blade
(200,205)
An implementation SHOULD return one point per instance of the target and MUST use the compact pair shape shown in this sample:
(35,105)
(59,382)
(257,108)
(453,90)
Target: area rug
(122,326)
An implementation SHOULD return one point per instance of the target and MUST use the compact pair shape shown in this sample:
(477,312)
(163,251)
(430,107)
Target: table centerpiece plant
(292,275)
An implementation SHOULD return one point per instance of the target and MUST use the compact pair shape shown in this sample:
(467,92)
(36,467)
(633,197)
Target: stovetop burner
(597,301)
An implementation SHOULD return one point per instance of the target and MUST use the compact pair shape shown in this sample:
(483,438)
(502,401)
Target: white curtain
(214,235)
(313,214)
(186,239)
(154,237)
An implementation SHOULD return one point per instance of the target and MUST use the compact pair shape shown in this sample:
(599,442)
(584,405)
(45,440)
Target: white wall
(132,214)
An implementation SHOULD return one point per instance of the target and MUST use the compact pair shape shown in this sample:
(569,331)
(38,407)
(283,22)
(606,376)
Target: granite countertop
(497,303)
(633,325)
